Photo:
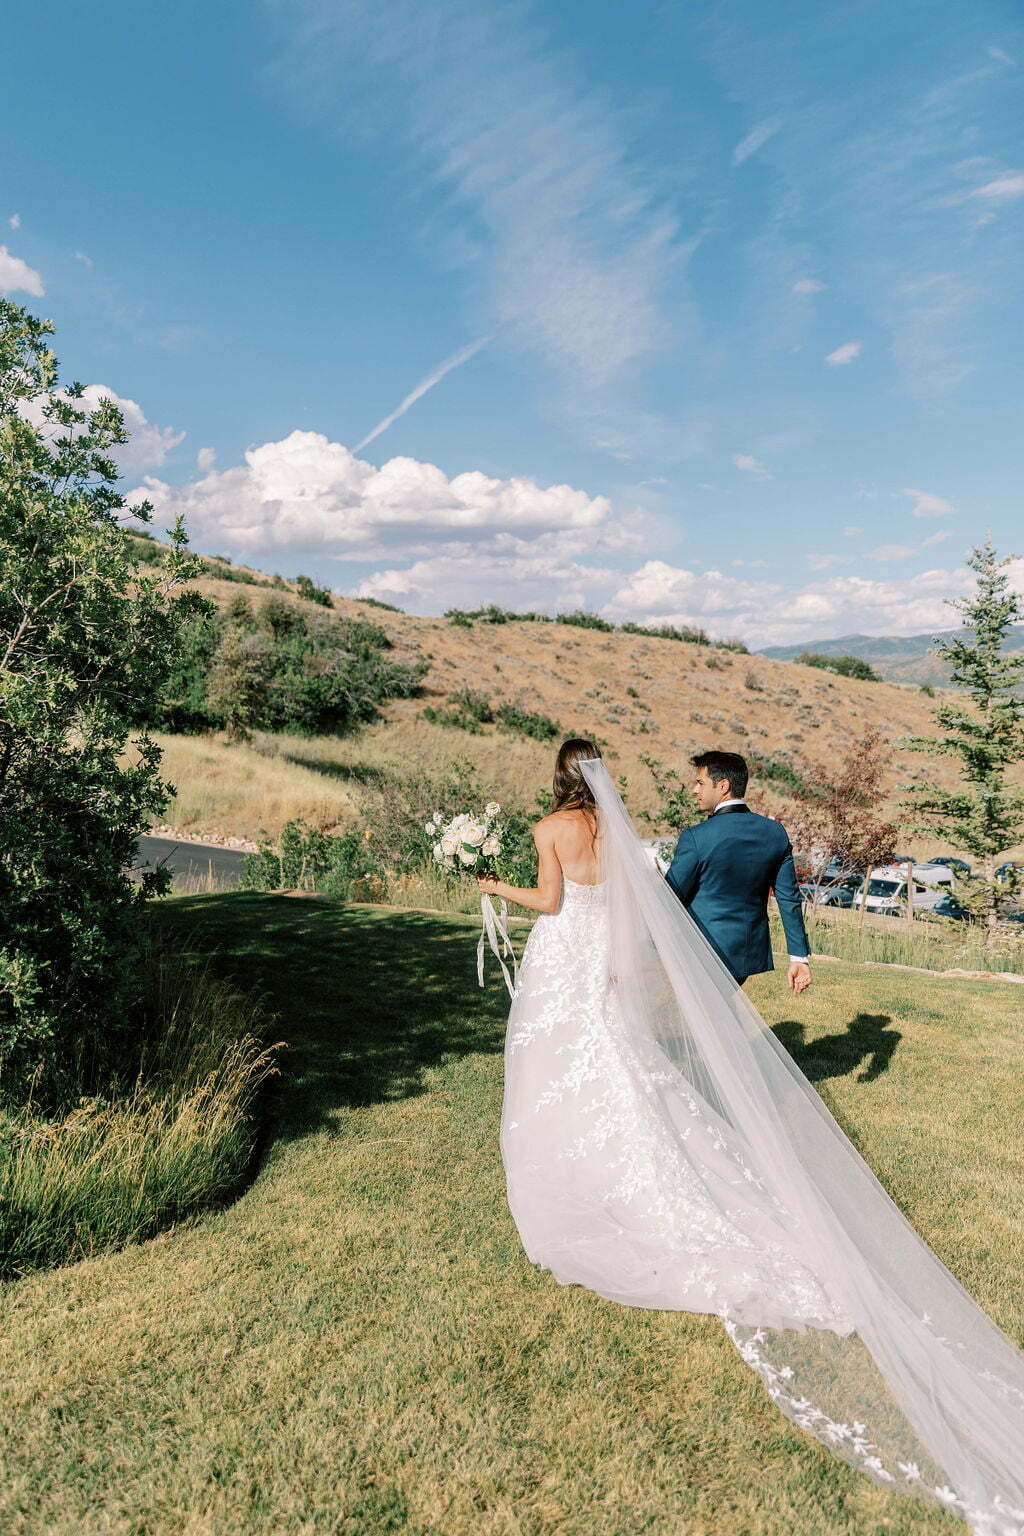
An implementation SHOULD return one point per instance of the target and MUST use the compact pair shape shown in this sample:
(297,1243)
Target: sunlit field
(357,1344)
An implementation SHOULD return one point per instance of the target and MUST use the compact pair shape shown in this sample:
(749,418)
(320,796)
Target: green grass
(174,1138)
(358,1345)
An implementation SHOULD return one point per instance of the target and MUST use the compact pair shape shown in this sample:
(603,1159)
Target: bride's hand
(488,885)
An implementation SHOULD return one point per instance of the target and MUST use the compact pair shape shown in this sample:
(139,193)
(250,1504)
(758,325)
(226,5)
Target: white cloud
(751,466)
(658,588)
(820,562)
(844,354)
(851,532)
(805,286)
(764,613)
(755,139)
(16,276)
(82,257)
(889,552)
(310,493)
(927,505)
(751,565)
(15,221)
(1002,188)
(148,446)
(937,538)
(205,459)
(526,574)
(1001,56)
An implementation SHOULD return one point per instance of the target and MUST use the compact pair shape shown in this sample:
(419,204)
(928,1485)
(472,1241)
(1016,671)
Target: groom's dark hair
(725,765)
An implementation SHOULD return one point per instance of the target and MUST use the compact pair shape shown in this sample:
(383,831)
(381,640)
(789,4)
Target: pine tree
(985,816)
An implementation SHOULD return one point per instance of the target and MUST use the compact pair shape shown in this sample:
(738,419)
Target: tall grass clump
(157,1146)
(936,945)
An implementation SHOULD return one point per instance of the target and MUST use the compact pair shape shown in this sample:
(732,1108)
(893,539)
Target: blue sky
(712,311)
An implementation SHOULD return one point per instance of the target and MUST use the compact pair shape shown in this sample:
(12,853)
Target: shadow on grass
(867,1041)
(367,999)
(349,773)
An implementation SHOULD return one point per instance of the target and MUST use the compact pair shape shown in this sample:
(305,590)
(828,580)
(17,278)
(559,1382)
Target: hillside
(898,659)
(638,694)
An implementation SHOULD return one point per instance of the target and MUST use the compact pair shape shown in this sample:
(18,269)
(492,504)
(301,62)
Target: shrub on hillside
(467,711)
(844,666)
(307,588)
(523,722)
(777,769)
(278,668)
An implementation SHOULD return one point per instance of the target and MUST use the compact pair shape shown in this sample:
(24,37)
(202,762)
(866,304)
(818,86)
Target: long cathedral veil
(907,1379)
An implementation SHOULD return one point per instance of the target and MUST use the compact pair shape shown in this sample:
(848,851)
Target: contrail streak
(422,387)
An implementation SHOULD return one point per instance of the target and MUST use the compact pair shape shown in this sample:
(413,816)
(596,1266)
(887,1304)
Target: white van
(924,874)
(887,893)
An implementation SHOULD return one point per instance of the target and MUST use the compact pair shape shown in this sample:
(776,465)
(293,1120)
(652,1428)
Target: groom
(725,867)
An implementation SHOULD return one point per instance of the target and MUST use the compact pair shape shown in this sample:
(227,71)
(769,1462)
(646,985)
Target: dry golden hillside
(638,695)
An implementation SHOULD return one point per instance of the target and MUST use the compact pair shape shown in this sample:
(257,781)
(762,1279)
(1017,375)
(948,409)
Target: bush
(844,666)
(308,589)
(778,770)
(524,723)
(467,711)
(277,668)
(584,620)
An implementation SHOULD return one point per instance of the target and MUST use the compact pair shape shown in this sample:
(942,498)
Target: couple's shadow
(867,1042)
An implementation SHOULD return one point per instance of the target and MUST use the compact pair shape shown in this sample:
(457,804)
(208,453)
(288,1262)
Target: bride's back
(575,841)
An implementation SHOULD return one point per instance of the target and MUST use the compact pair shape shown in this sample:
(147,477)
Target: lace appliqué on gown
(620,1177)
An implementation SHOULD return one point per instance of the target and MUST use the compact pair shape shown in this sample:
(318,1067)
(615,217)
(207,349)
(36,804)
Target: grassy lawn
(358,1344)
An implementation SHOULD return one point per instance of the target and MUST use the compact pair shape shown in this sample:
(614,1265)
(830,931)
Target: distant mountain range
(903,659)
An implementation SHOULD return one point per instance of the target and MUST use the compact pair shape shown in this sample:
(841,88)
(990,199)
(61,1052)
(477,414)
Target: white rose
(429,828)
(468,857)
(449,844)
(437,851)
(491,846)
(473,833)
(439,817)
(492,809)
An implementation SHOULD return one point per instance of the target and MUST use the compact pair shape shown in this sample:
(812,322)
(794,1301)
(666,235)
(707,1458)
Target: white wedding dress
(663,1150)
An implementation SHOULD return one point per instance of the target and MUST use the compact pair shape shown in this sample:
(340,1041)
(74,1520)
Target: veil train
(898,1371)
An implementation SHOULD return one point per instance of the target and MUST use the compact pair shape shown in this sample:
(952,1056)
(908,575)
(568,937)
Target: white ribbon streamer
(494,931)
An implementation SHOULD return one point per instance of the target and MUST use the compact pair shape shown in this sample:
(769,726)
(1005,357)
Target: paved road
(194,866)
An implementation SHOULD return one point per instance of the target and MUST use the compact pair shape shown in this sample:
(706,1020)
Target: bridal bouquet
(468,844)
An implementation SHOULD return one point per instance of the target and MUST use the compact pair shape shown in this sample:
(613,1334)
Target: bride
(662,1149)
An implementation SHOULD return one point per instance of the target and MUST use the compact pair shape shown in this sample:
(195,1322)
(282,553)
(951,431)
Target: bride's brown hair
(570,789)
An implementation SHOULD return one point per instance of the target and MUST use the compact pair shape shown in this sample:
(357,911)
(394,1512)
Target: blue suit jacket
(723,870)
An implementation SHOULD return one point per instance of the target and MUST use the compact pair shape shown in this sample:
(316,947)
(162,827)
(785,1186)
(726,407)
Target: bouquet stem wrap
(494,932)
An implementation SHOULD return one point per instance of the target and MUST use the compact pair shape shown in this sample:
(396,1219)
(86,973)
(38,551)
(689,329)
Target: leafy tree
(836,813)
(985,816)
(676,808)
(87,641)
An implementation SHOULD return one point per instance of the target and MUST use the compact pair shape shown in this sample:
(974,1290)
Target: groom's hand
(799,976)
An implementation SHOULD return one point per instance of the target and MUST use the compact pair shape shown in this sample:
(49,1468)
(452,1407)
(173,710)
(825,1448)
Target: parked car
(888,896)
(948,906)
(831,893)
(958,866)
